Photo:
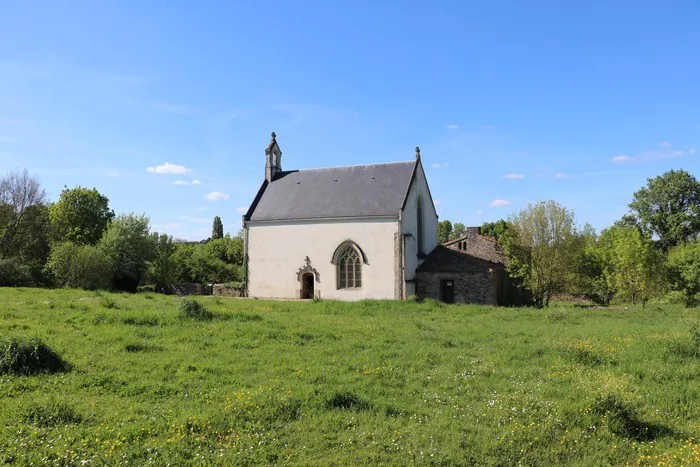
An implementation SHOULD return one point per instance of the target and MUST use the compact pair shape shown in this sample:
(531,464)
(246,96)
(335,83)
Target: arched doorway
(307,285)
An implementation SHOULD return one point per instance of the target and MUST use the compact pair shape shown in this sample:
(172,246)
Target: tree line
(651,252)
(78,241)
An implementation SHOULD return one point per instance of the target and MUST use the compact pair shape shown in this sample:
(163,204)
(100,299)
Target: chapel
(356,232)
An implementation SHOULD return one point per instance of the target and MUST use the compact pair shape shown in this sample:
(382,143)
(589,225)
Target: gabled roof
(357,191)
(443,259)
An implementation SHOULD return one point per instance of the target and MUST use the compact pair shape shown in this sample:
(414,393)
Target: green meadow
(331,383)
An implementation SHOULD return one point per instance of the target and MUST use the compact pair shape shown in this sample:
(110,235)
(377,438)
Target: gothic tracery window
(349,268)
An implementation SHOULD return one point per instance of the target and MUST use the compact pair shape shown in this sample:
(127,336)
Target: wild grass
(374,382)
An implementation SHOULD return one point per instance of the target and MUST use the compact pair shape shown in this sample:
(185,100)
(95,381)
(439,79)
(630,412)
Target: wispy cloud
(185,182)
(440,166)
(513,176)
(664,151)
(496,203)
(196,220)
(560,175)
(170,108)
(201,208)
(216,196)
(453,126)
(241,210)
(479,212)
(169,169)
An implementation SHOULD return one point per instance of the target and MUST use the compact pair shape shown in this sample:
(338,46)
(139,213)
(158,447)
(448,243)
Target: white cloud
(181,182)
(200,208)
(623,159)
(113,174)
(216,196)
(241,210)
(665,151)
(561,175)
(170,108)
(169,169)
(440,166)
(196,182)
(196,220)
(479,212)
(453,126)
(513,176)
(499,202)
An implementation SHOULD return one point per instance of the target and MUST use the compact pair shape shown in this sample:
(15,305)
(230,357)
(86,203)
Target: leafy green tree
(669,207)
(591,267)
(494,229)
(80,266)
(444,230)
(459,230)
(637,263)
(217,261)
(217,230)
(80,216)
(684,271)
(540,245)
(128,245)
(162,270)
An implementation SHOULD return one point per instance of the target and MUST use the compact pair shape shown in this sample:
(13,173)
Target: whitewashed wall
(276,252)
(409,225)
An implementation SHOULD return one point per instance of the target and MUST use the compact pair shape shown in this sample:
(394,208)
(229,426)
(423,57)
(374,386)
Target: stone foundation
(469,287)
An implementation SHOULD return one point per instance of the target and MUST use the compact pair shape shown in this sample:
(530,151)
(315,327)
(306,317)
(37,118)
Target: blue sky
(166,107)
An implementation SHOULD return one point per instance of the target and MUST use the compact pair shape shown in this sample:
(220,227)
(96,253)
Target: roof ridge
(357,165)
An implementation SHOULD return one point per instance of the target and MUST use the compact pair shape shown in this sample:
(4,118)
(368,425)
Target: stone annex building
(366,231)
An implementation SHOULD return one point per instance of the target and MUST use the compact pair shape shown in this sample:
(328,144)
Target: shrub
(13,273)
(29,357)
(53,413)
(192,309)
(622,419)
(80,266)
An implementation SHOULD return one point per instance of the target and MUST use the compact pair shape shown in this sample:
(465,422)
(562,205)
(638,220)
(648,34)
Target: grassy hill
(348,383)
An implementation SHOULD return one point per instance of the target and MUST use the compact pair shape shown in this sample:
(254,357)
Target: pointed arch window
(348,259)
(419,222)
(350,269)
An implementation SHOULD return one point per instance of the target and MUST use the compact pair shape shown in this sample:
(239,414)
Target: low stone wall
(225,291)
(187,289)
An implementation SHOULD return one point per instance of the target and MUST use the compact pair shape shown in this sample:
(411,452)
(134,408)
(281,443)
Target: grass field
(340,383)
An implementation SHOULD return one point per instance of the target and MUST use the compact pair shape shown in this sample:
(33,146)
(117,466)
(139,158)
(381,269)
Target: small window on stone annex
(349,266)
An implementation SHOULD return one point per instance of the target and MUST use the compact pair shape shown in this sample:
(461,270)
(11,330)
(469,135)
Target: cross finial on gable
(417,153)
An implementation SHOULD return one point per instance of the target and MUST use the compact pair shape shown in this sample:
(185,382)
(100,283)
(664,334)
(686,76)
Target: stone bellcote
(273,159)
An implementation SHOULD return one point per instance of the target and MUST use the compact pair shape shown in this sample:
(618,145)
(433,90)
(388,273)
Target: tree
(637,263)
(459,230)
(20,194)
(539,246)
(128,245)
(592,267)
(669,207)
(217,230)
(444,229)
(494,229)
(80,216)
(162,270)
(684,271)
(80,266)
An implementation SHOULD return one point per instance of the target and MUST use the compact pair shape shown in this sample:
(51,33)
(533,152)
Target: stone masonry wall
(479,246)
(225,291)
(469,287)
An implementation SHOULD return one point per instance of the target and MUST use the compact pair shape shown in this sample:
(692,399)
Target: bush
(13,273)
(621,419)
(24,357)
(192,309)
(80,266)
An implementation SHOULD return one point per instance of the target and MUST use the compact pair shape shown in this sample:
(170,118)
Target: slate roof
(443,259)
(357,191)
